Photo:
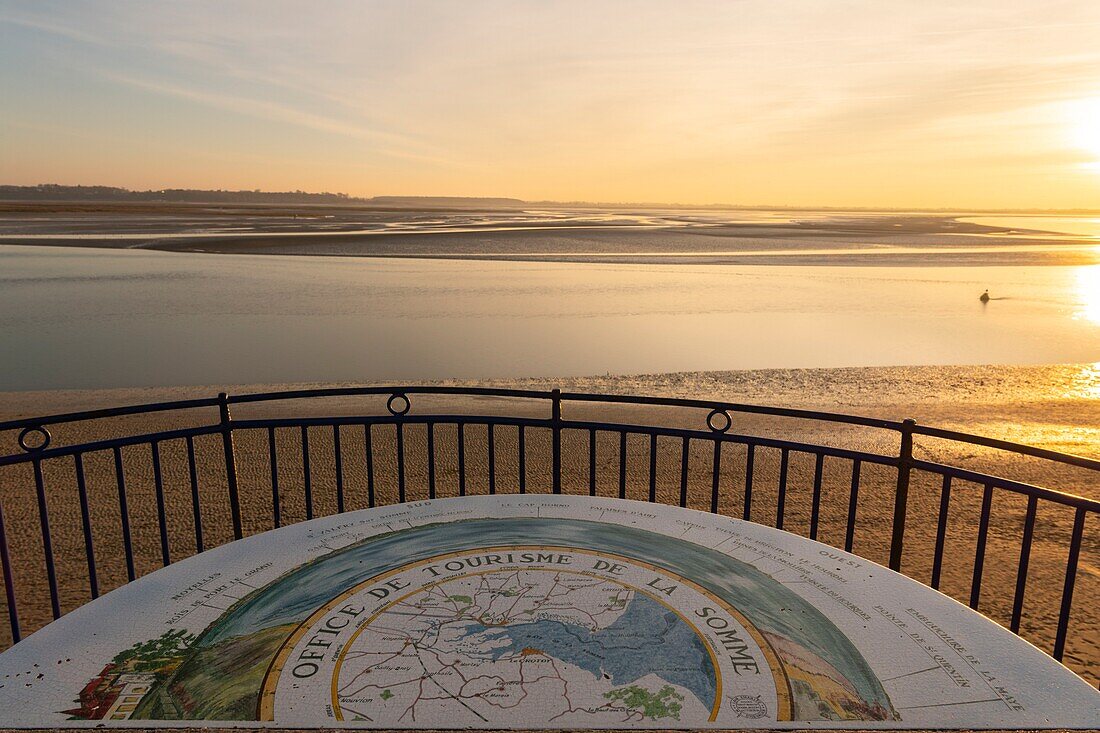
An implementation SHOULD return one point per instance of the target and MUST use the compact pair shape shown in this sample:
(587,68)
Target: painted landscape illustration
(219,675)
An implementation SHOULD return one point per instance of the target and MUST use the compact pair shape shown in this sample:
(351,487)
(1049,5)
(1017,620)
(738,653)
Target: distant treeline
(55,192)
(106,194)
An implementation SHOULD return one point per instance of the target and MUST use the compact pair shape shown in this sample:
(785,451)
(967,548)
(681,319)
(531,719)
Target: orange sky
(894,104)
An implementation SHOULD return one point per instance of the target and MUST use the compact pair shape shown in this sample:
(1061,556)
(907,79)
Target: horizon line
(528,202)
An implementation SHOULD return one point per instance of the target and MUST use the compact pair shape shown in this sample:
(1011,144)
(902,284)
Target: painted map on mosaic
(533,612)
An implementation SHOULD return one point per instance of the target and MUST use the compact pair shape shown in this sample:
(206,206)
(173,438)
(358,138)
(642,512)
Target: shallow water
(1078,226)
(86,318)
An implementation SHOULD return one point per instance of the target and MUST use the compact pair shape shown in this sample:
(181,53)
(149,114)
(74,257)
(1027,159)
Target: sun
(1084,128)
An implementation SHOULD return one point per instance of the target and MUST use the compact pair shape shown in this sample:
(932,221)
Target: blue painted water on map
(773,608)
(646,639)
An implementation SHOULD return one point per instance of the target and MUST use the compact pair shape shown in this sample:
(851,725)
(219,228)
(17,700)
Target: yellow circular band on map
(266,702)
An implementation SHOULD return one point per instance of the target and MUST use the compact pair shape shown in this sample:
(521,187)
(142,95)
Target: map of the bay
(550,634)
(541,644)
(513,612)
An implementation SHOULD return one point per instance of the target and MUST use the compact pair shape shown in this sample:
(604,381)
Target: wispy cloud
(573,99)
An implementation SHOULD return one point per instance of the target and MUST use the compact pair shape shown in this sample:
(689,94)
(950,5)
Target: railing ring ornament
(34,430)
(398,398)
(724,423)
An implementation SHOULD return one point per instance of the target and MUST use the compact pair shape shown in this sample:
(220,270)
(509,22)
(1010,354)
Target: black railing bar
(901,497)
(338,463)
(477,391)
(162,516)
(941,469)
(430,450)
(441,419)
(941,531)
(869,422)
(653,468)
(555,447)
(491,458)
(815,508)
(1071,580)
(64,417)
(452,419)
(99,445)
(273,460)
(685,458)
(368,456)
(237,399)
(781,499)
(736,438)
(461,449)
(569,396)
(1058,497)
(389,390)
(205,402)
(979,550)
(47,539)
(124,514)
(853,507)
(307,477)
(592,462)
(9,581)
(521,454)
(468,391)
(1022,566)
(196,500)
(628,428)
(225,422)
(622,464)
(716,475)
(399,452)
(1004,445)
(86,524)
(894,425)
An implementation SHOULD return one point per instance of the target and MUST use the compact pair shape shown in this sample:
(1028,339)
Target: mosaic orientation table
(533,612)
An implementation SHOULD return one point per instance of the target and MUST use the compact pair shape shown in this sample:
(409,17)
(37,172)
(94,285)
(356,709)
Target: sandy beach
(1048,406)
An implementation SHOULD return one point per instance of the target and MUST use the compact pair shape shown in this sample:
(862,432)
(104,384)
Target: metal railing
(109,527)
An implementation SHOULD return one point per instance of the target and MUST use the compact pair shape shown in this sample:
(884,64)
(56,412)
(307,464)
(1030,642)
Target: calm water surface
(78,318)
(1076,226)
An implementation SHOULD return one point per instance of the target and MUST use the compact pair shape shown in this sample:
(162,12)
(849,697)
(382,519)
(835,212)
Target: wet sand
(1053,407)
(549,234)
(743,246)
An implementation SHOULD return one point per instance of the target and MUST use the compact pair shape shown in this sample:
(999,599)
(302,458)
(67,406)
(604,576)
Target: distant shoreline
(578,235)
(59,195)
(524,246)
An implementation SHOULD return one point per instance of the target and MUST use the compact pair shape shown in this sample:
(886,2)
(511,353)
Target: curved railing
(85,494)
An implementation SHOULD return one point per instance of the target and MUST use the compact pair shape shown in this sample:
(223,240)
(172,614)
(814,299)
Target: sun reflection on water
(1088,293)
(1086,382)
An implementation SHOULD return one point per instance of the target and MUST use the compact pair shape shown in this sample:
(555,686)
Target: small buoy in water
(984,297)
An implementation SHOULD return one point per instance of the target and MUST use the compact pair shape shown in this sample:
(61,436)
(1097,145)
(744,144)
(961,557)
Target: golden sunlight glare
(1086,382)
(1084,129)
(1088,292)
